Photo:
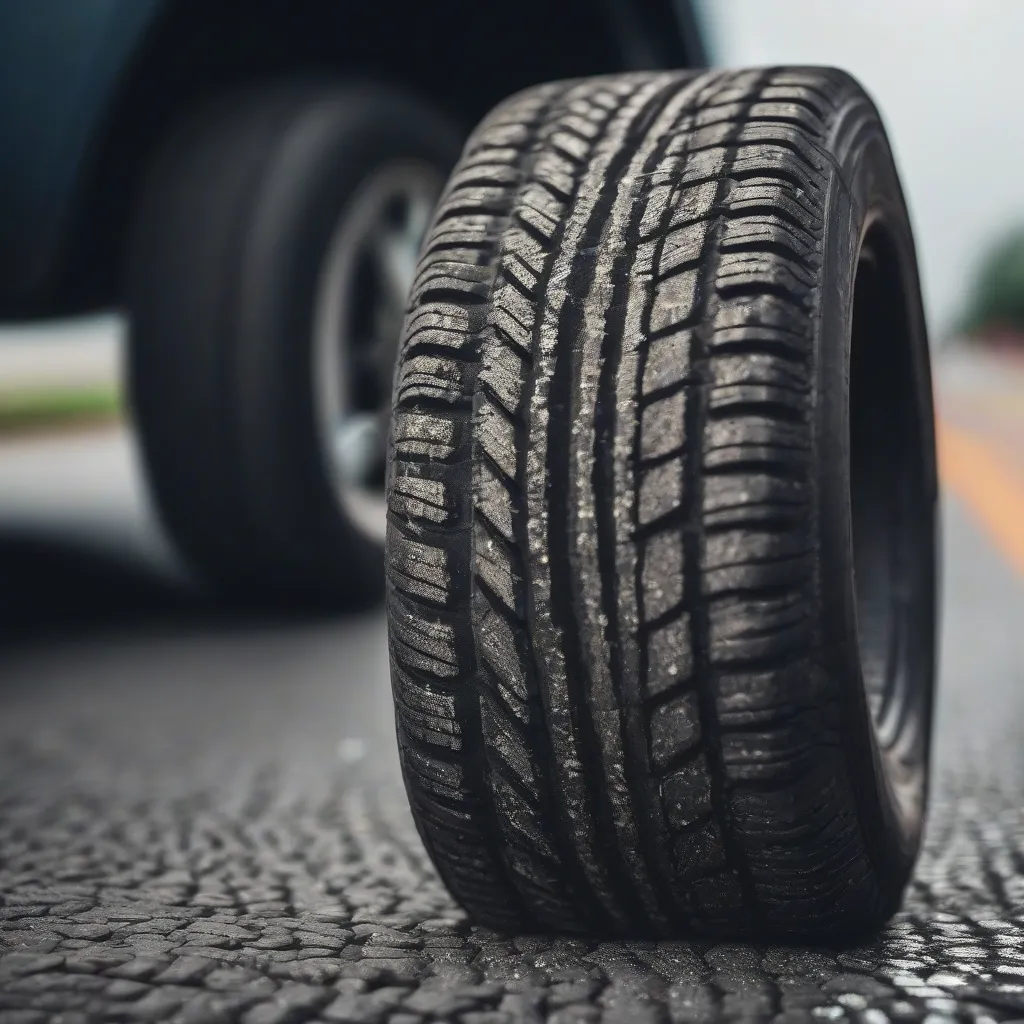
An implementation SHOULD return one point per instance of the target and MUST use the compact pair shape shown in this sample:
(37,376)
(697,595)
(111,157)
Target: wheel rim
(361,297)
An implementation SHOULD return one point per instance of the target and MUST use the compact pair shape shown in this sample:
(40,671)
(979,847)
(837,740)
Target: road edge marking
(981,476)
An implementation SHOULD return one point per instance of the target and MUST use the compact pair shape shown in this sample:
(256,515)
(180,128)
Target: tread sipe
(664,386)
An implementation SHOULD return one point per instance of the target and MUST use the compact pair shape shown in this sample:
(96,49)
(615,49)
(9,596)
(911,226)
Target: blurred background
(116,647)
(943,74)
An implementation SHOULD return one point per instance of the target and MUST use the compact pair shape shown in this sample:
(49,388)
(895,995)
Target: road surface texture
(201,817)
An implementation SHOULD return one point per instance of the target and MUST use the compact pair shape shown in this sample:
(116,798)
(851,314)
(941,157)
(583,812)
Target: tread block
(513,316)
(496,641)
(475,233)
(569,144)
(694,203)
(682,246)
(668,361)
(555,174)
(675,729)
(501,738)
(427,714)
(472,282)
(755,431)
(724,494)
(520,826)
(441,777)
(752,273)
(738,547)
(769,161)
(419,569)
(658,199)
(501,373)
(794,404)
(422,642)
(675,301)
(686,794)
(662,426)
(769,458)
(661,491)
(412,497)
(787,204)
(469,255)
(755,368)
(493,501)
(705,167)
(713,136)
(471,196)
(495,568)
(748,628)
(771,233)
(451,322)
(518,272)
(699,852)
(662,574)
(496,436)
(490,173)
(752,575)
(788,751)
(802,148)
(669,655)
(427,434)
(717,113)
(432,378)
(744,698)
(583,122)
(750,316)
(540,210)
(523,246)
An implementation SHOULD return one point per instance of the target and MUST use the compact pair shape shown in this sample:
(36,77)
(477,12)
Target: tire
(662,498)
(228,276)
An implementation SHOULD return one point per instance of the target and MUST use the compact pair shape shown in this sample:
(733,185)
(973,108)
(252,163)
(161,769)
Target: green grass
(36,408)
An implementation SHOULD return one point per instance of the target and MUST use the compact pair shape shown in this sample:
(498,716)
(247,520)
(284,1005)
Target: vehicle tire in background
(661,550)
(268,268)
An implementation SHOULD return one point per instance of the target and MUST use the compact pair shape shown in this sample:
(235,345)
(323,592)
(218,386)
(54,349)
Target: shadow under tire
(662,505)
(228,257)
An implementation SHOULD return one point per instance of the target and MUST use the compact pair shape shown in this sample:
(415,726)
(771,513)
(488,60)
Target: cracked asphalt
(201,817)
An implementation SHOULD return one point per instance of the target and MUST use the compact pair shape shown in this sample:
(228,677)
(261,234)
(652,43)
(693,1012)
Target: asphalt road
(201,817)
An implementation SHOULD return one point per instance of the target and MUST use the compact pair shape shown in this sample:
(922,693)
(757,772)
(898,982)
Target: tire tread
(637,699)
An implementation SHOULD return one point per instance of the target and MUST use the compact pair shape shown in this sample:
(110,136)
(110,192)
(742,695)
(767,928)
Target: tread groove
(562,595)
(700,627)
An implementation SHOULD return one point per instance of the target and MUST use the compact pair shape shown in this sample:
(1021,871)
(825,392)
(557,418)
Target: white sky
(949,78)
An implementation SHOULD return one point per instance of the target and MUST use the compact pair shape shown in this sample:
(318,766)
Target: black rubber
(633,466)
(229,237)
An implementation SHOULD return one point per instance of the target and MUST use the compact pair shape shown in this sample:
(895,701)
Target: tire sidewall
(864,188)
(336,140)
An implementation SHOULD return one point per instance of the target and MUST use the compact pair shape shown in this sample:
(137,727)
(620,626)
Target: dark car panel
(89,87)
(60,63)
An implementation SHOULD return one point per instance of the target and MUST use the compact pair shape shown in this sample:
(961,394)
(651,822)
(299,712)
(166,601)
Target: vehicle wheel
(268,270)
(661,549)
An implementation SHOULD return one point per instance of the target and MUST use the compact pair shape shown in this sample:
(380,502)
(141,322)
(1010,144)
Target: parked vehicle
(251,183)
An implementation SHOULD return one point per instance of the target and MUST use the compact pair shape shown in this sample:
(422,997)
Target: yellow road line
(988,481)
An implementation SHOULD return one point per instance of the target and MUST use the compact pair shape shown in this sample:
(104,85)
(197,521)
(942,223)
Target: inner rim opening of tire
(888,497)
